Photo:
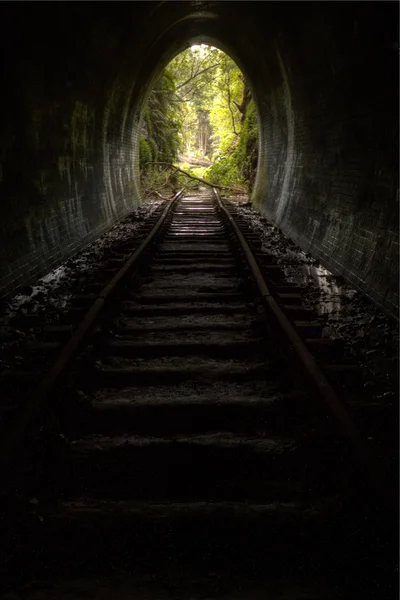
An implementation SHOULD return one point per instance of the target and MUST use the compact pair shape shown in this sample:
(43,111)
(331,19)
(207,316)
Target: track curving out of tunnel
(192,443)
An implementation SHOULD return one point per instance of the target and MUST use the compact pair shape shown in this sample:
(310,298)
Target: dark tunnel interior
(326,82)
(209,406)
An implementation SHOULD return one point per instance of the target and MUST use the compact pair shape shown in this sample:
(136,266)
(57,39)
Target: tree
(199,107)
(208,83)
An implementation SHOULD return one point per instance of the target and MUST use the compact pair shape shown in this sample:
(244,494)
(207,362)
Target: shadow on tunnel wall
(325,81)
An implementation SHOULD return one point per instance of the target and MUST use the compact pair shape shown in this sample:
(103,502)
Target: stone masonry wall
(324,76)
(329,176)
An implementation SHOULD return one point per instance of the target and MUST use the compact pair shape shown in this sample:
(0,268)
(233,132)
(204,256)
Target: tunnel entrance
(325,83)
(199,122)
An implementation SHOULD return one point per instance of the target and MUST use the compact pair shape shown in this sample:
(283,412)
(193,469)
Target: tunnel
(199,393)
(324,77)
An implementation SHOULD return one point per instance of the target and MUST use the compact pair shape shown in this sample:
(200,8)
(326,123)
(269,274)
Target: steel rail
(25,417)
(313,372)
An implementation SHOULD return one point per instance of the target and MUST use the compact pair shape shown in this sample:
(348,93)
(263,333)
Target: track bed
(186,456)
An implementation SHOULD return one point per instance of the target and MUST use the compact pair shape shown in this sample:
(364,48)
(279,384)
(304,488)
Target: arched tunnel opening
(200,117)
(199,306)
(327,165)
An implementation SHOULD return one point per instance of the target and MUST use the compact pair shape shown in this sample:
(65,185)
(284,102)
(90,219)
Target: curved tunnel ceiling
(196,27)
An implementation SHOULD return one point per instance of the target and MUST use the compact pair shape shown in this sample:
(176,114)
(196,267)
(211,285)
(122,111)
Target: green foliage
(224,172)
(199,107)
(198,171)
(208,84)
(145,155)
(161,119)
(247,151)
(240,166)
(160,133)
(186,182)
(154,149)
(224,113)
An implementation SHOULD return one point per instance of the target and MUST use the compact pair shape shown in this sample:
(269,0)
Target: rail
(37,400)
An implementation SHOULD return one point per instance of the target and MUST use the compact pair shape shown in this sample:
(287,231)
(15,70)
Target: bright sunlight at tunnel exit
(200,117)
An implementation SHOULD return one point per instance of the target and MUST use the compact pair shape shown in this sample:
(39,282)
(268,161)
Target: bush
(239,167)
(145,155)
(154,149)
(224,172)
(198,171)
(246,154)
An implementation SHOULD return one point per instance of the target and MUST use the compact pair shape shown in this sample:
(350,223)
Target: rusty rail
(37,400)
(313,372)
(317,379)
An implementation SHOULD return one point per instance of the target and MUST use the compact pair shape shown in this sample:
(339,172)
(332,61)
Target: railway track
(185,428)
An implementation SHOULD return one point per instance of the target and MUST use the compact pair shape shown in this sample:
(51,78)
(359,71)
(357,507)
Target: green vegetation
(200,108)
(224,172)
(145,154)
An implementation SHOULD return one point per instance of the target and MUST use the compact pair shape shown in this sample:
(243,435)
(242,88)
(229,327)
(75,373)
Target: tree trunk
(245,101)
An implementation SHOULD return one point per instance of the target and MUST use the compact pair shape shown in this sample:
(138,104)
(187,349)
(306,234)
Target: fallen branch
(159,195)
(214,185)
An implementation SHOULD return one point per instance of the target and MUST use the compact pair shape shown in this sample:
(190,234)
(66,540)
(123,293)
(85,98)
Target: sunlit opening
(199,126)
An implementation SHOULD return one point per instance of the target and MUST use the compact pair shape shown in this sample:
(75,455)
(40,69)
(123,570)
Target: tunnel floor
(360,330)
(166,587)
(187,457)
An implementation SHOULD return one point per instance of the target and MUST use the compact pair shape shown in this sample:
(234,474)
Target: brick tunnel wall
(66,152)
(325,80)
(330,153)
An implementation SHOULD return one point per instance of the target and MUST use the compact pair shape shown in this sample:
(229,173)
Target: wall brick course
(326,94)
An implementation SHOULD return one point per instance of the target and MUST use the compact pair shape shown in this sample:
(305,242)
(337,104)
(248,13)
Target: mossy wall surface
(324,76)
